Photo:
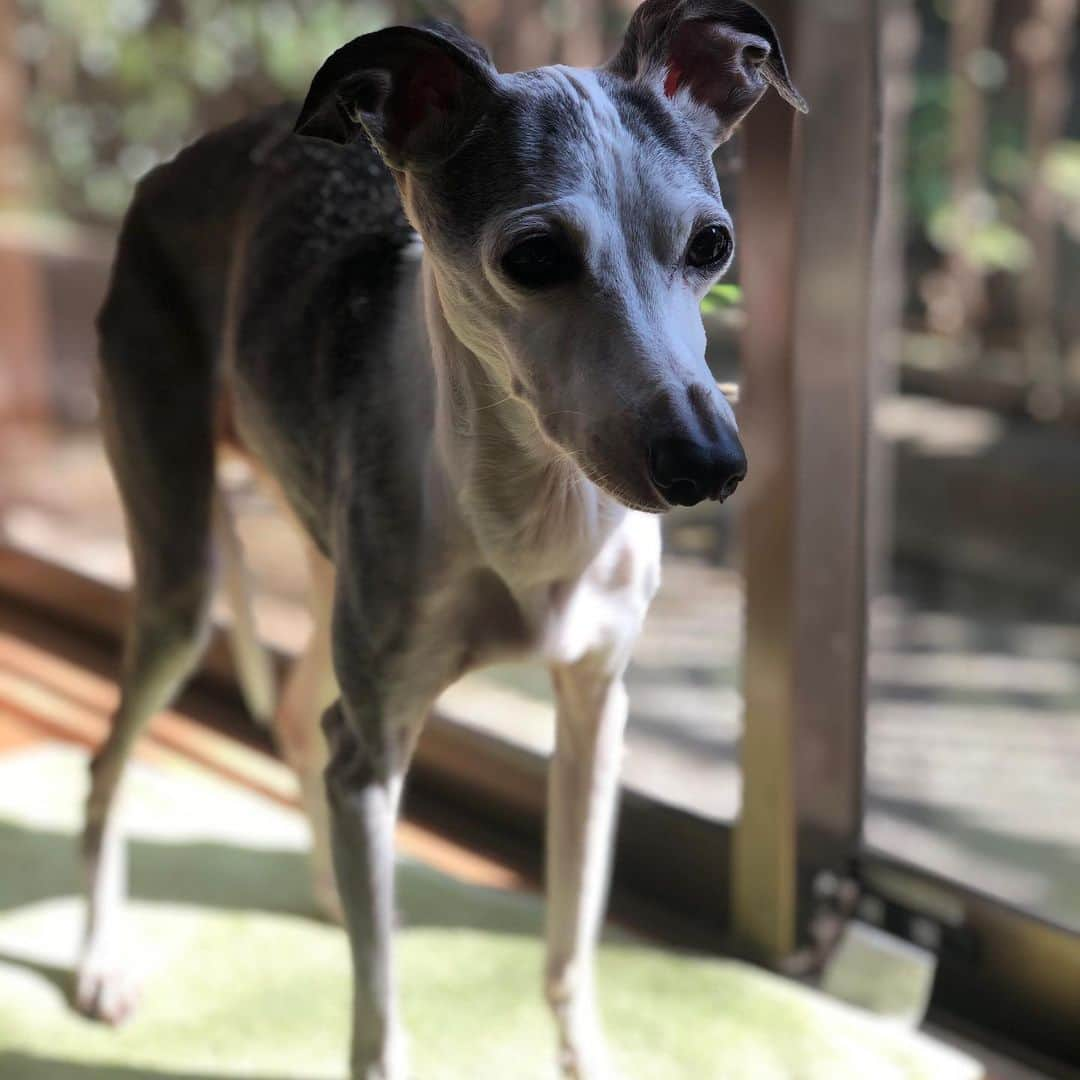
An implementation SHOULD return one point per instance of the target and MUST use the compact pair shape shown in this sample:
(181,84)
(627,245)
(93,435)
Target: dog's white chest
(602,610)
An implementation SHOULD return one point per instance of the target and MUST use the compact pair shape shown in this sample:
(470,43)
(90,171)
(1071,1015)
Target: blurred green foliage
(724,294)
(988,243)
(987,233)
(1062,177)
(119,85)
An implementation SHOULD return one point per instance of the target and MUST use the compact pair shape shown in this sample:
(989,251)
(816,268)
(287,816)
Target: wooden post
(805,236)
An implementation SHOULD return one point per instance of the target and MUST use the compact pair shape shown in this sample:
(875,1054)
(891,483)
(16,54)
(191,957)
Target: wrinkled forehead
(570,132)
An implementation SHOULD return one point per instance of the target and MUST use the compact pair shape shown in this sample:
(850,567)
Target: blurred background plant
(991,194)
(119,85)
(991,190)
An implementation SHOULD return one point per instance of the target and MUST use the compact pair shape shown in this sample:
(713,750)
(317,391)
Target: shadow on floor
(29,1067)
(45,865)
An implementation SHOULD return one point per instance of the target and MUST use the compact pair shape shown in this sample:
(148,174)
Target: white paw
(391,1064)
(586,1064)
(583,1054)
(106,992)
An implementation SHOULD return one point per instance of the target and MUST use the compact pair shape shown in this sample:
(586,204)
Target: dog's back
(251,215)
(242,248)
(177,236)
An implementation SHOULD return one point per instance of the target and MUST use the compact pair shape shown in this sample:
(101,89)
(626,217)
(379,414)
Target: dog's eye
(541,261)
(710,247)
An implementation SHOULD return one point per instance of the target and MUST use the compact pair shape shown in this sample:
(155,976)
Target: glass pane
(973,767)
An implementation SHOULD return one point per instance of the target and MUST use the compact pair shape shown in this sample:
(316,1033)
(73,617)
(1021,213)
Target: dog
(453,315)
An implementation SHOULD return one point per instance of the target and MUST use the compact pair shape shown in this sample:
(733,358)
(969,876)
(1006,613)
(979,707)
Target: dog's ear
(418,91)
(714,58)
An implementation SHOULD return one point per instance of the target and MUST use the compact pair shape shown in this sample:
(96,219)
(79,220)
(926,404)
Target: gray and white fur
(452,314)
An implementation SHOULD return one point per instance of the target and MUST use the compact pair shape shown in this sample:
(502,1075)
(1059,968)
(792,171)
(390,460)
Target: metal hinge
(876,943)
(915,913)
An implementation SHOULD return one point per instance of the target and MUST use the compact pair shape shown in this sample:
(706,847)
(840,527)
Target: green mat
(242,981)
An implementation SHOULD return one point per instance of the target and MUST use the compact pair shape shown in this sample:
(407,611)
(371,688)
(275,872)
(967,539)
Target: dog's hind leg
(164,644)
(254,669)
(310,689)
(156,399)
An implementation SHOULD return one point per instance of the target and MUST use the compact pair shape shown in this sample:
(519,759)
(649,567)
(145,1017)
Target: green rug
(243,981)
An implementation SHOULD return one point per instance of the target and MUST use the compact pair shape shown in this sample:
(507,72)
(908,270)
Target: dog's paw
(586,1059)
(381,1071)
(106,992)
(583,1052)
(389,1063)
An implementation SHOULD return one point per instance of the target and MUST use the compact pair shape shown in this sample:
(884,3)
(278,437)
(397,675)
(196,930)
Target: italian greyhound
(453,314)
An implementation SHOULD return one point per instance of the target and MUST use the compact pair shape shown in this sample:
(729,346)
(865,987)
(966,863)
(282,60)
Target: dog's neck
(531,508)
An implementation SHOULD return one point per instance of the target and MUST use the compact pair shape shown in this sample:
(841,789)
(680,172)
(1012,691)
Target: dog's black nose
(685,472)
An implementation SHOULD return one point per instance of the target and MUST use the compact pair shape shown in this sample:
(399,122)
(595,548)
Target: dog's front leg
(582,794)
(364,780)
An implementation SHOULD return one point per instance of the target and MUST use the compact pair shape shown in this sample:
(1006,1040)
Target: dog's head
(574,222)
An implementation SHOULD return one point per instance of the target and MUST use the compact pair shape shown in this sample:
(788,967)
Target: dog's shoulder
(330,199)
(211,177)
(310,195)
(324,270)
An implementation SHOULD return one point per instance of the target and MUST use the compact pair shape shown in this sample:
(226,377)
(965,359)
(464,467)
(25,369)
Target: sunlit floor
(974,724)
(240,978)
